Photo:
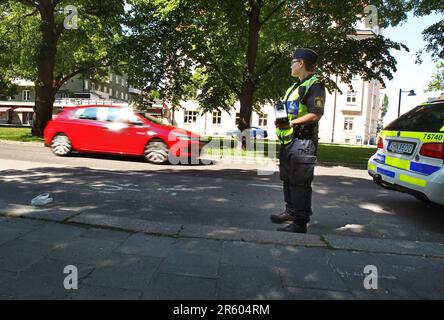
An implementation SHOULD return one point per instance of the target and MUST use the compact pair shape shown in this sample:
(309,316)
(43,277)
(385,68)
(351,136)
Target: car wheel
(156,152)
(61,145)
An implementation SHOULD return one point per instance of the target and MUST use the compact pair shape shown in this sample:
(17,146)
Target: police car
(410,153)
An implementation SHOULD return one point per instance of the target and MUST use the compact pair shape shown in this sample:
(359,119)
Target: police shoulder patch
(319,102)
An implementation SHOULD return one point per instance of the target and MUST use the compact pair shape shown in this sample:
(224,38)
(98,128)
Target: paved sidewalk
(118,259)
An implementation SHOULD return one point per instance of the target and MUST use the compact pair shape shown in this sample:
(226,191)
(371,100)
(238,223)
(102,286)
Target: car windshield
(426,118)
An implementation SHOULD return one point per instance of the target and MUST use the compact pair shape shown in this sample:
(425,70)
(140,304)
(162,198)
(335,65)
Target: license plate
(401,147)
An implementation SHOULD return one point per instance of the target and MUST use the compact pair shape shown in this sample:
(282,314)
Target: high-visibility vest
(295,108)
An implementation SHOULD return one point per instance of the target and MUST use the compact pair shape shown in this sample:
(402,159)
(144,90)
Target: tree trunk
(44,86)
(249,85)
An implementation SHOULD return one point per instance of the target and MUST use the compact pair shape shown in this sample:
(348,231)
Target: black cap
(306,54)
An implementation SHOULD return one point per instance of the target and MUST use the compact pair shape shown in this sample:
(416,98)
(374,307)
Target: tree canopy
(38,46)
(434,34)
(241,49)
(437,82)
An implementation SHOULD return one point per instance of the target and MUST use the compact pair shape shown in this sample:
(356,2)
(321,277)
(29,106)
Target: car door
(88,133)
(126,133)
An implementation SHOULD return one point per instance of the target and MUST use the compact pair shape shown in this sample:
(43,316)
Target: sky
(410,75)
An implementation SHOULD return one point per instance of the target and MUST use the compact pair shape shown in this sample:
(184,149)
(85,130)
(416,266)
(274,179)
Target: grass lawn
(17,134)
(327,153)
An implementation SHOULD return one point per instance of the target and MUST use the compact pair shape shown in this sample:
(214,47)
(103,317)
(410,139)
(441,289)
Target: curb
(329,241)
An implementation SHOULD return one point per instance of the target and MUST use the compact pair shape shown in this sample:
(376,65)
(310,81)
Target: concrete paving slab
(287,255)
(27,224)
(388,289)
(315,275)
(352,263)
(103,234)
(5,275)
(180,287)
(89,292)
(55,235)
(207,247)
(247,254)
(42,280)
(83,250)
(18,255)
(423,276)
(146,245)
(249,283)
(125,271)
(386,246)
(8,234)
(293,293)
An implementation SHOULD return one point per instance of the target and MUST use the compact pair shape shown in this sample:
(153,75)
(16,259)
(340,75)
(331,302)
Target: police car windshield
(427,118)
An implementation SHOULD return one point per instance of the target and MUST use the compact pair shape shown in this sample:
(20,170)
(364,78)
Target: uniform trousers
(296,168)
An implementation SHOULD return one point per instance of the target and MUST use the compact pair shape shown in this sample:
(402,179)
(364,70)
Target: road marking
(111,188)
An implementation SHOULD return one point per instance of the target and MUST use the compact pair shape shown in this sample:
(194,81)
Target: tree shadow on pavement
(224,197)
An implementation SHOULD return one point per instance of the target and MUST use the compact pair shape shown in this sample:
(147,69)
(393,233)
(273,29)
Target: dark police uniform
(299,147)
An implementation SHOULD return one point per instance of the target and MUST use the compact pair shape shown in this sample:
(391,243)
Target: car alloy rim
(61,145)
(156,152)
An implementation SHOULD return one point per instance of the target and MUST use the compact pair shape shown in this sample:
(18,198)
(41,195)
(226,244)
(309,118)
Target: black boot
(297,228)
(281,218)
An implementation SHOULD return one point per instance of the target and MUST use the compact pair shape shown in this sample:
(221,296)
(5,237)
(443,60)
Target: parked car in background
(255,133)
(410,154)
(119,130)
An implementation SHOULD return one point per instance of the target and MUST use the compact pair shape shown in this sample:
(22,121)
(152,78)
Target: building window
(237,118)
(93,86)
(217,117)
(27,117)
(351,97)
(263,120)
(190,117)
(122,95)
(26,95)
(110,92)
(355,77)
(348,124)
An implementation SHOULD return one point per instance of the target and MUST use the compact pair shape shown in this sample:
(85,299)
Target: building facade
(76,91)
(349,118)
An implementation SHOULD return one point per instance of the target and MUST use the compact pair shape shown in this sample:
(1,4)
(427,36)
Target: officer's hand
(281,126)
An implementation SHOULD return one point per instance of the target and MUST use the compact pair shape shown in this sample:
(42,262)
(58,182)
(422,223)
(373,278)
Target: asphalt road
(226,194)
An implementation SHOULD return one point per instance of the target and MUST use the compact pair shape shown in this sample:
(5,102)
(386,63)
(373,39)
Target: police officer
(304,102)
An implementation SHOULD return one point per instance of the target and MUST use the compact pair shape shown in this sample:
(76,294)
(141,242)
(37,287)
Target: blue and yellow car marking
(421,136)
(422,168)
(388,173)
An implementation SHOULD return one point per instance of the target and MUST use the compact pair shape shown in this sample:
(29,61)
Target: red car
(118,130)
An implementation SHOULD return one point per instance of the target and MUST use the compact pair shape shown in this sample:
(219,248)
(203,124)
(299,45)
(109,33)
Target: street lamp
(411,93)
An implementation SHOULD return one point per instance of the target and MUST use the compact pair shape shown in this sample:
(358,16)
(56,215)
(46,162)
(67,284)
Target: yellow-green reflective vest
(295,108)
